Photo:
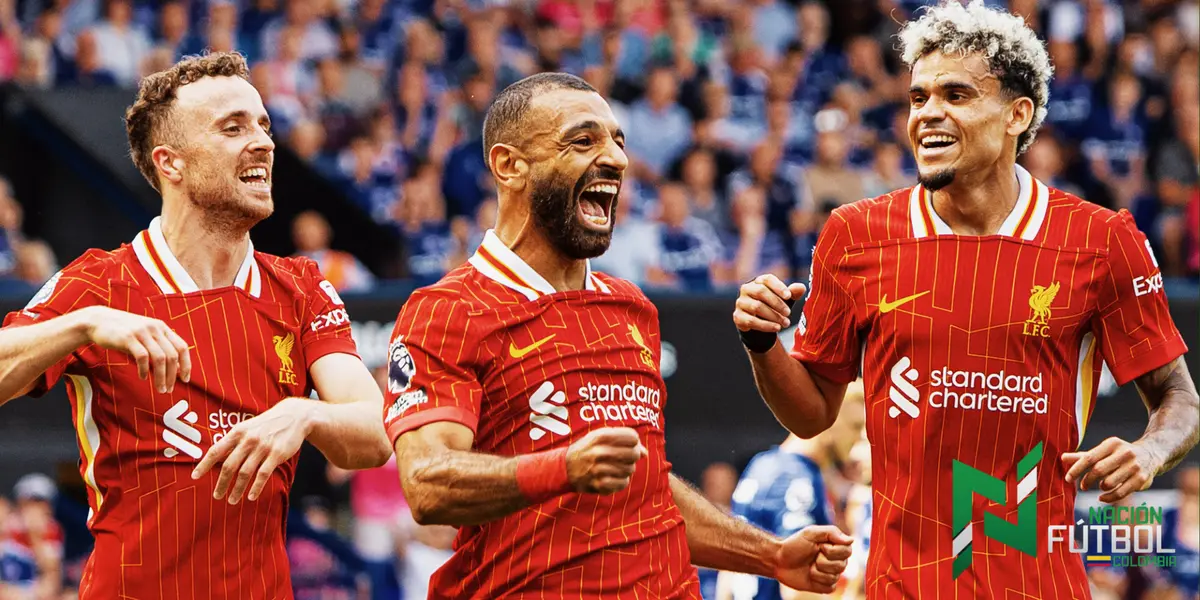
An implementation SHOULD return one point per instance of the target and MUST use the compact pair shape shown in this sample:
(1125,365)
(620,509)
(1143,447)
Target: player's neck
(561,272)
(978,204)
(211,257)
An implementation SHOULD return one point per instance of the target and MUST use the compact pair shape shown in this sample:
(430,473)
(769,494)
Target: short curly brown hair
(147,122)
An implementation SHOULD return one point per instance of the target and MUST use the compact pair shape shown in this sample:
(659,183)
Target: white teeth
(935,139)
(255,172)
(597,219)
(602,188)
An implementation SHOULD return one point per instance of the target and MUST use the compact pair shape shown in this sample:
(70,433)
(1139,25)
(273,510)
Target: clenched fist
(603,461)
(762,304)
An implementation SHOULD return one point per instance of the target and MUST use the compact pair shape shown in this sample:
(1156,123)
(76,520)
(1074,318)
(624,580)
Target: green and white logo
(968,481)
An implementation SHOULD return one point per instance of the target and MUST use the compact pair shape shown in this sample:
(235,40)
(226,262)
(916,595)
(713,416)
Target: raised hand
(151,343)
(603,461)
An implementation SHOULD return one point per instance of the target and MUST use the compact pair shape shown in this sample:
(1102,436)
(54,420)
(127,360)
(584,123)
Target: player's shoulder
(1073,221)
(874,219)
(291,271)
(616,285)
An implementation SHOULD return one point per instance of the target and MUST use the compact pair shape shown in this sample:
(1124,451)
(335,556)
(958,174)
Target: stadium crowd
(747,124)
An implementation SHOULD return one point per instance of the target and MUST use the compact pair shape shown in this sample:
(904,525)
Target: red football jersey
(494,347)
(159,534)
(979,350)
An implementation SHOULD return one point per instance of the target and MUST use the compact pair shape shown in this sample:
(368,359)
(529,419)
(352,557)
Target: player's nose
(614,157)
(262,141)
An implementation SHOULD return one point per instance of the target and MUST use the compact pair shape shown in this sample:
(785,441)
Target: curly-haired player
(185,351)
(979,307)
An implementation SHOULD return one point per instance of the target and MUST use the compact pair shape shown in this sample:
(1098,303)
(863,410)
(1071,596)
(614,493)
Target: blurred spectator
(705,201)
(362,90)
(658,129)
(787,202)
(312,235)
(285,108)
(11,218)
(173,27)
(759,249)
(1045,161)
(35,262)
(1181,532)
(89,72)
(717,483)
(330,106)
(317,40)
(422,218)
(886,175)
(830,178)
(1177,174)
(31,542)
(323,566)
(36,70)
(426,549)
(1115,147)
(121,44)
(306,141)
(1071,90)
(688,247)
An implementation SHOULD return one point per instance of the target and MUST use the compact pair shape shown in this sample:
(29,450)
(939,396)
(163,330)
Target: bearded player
(525,399)
(979,306)
(189,358)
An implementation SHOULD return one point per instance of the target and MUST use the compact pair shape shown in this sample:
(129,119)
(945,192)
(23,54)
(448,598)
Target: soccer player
(979,306)
(784,490)
(189,358)
(525,400)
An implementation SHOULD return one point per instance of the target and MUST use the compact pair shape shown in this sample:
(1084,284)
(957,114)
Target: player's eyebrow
(590,126)
(243,115)
(948,86)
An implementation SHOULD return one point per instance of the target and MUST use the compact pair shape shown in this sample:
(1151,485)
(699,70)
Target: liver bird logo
(283,349)
(1040,299)
(647,355)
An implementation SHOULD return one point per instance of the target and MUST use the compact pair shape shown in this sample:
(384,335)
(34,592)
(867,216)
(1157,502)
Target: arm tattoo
(1170,395)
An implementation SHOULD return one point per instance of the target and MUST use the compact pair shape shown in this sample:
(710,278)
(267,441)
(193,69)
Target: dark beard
(556,210)
(937,180)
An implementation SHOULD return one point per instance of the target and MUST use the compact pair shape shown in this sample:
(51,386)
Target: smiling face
(960,121)
(577,160)
(225,152)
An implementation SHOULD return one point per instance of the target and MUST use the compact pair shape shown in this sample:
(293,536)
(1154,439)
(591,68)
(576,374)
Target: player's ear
(168,163)
(509,166)
(1020,116)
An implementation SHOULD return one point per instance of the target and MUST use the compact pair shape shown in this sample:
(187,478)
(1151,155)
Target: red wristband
(543,475)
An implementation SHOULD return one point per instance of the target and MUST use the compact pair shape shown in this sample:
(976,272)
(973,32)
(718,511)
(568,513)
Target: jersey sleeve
(827,336)
(326,325)
(430,373)
(1133,325)
(70,289)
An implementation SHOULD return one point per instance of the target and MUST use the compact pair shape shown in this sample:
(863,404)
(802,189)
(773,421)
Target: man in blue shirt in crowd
(786,489)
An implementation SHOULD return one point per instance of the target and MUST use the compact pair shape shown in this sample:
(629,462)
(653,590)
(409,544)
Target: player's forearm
(27,351)
(1174,427)
(793,394)
(718,540)
(456,487)
(350,435)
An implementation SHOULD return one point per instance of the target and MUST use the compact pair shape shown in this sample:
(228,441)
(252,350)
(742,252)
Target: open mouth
(596,204)
(256,177)
(938,141)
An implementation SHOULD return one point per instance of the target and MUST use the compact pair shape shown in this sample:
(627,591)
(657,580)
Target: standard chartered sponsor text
(619,402)
(996,392)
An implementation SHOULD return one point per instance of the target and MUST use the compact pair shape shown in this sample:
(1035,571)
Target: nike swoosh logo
(887,307)
(519,352)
